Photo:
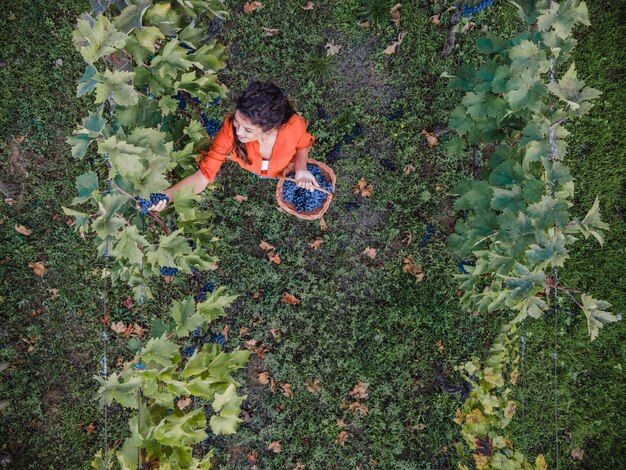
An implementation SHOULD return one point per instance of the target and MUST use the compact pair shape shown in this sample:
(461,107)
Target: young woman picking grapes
(264,135)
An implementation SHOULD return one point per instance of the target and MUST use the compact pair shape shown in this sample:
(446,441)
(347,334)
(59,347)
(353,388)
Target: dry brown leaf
(243,331)
(264,378)
(360,391)
(38,267)
(9,201)
(19,138)
(358,407)
(391,49)
(370,252)
(363,189)
(137,330)
(467,27)
(266,246)
(309,6)
(256,320)
(249,7)
(128,302)
(413,269)
(434,19)
(341,423)
(275,447)
(408,169)
(275,333)
(118,327)
(251,344)
(290,299)
(438,187)
(313,386)
(408,238)
(323,224)
(240,198)
(54,293)
(225,332)
(272,385)
(269,32)
(332,48)
(342,438)
(440,347)
(23,230)
(364,24)
(395,14)
(90,428)
(286,390)
(257,294)
(183,403)
(253,456)
(577,454)
(431,138)
(273,257)
(316,244)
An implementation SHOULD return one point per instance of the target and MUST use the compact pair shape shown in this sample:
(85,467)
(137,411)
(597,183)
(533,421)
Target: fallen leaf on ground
(323,224)
(118,327)
(286,390)
(332,48)
(275,447)
(434,19)
(54,293)
(391,49)
(240,198)
(128,302)
(251,344)
(253,456)
(313,386)
(408,169)
(342,438)
(257,294)
(438,187)
(9,201)
(23,230)
(413,269)
(364,24)
(275,333)
(360,391)
(272,385)
(36,312)
(577,454)
(290,299)
(309,6)
(370,252)
(363,189)
(341,423)
(183,403)
(270,32)
(37,267)
(266,246)
(225,332)
(395,14)
(440,347)
(431,138)
(264,378)
(408,238)
(249,7)
(316,244)
(467,27)
(137,330)
(273,257)
(243,331)
(19,138)
(90,428)
(358,407)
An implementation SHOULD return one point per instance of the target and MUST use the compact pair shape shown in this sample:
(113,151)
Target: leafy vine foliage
(152,73)
(517,218)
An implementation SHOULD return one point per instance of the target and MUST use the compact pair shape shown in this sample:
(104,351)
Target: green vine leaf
(185,318)
(597,316)
(95,38)
(562,17)
(161,351)
(117,84)
(125,393)
(573,91)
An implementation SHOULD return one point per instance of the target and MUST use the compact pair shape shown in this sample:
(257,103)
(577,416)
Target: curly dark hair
(266,106)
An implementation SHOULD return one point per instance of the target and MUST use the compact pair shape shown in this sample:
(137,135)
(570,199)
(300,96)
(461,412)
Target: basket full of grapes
(307,205)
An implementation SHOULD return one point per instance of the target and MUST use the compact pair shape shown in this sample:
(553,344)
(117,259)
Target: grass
(360,319)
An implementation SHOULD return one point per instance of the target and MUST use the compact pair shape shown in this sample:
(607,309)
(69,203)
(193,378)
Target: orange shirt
(291,137)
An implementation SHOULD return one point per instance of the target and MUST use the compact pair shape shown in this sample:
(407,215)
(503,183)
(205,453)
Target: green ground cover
(360,319)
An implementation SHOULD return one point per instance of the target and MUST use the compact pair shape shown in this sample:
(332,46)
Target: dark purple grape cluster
(333,155)
(199,297)
(302,199)
(183,97)
(461,265)
(197,332)
(173,227)
(211,126)
(191,243)
(208,287)
(395,115)
(387,164)
(190,48)
(427,236)
(469,11)
(347,139)
(219,339)
(215,101)
(188,351)
(167,271)
(357,130)
(145,204)
(322,112)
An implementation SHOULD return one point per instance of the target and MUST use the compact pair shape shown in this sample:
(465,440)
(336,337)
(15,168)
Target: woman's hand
(159,206)
(306,180)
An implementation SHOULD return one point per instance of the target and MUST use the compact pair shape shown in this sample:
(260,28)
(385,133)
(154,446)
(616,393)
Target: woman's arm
(198,181)
(305,177)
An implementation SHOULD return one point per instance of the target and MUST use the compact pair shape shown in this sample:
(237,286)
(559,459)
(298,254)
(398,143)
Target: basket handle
(286,178)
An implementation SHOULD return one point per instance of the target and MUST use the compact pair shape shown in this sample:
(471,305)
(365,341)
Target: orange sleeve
(305,139)
(221,146)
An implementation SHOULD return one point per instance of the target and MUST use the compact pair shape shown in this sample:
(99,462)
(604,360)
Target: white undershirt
(265,164)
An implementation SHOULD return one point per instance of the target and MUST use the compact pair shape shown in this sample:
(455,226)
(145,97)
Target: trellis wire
(523,379)
(104,371)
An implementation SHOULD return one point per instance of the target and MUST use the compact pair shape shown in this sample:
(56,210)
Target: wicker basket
(290,208)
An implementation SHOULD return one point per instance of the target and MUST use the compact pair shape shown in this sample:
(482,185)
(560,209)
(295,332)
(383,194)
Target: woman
(264,135)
